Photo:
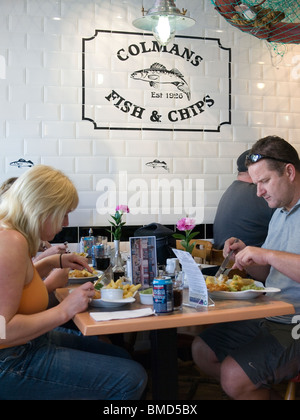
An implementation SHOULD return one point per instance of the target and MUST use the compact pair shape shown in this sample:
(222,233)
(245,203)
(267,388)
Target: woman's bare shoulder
(13,235)
(13,242)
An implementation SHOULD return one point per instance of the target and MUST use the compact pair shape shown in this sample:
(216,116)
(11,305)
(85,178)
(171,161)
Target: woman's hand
(74,262)
(71,261)
(51,250)
(77,300)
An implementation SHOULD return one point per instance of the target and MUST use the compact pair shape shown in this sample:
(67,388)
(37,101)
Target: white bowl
(146,299)
(111,294)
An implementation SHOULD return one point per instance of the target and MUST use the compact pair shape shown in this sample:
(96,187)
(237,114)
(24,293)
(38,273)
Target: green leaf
(178,236)
(115,219)
(192,235)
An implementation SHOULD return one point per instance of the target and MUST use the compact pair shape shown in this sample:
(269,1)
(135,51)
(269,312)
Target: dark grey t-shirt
(243,215)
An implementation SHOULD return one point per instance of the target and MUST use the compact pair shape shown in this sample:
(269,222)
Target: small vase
(118,269)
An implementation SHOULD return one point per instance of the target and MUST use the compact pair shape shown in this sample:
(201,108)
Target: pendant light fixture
(164,19)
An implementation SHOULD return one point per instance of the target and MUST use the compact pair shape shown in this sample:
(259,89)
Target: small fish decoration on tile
(157,74)
(158,164)
(22,163)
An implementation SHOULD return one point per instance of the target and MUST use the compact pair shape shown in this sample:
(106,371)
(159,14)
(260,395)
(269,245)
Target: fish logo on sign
(157,74)
(2,328)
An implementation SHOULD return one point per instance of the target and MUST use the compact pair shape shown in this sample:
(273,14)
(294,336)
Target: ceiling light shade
(164,19)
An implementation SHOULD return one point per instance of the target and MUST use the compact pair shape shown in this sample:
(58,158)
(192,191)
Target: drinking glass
(178,291)
(102,257)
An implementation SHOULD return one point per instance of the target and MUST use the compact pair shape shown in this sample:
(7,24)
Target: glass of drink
(178,291)
(102,257)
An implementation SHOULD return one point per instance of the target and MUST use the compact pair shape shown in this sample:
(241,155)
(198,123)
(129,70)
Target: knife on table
(225,262)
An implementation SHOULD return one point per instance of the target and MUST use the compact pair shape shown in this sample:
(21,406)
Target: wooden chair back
(202,249)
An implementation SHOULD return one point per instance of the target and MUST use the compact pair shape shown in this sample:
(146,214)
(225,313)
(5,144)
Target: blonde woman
(37,361)
(45,247)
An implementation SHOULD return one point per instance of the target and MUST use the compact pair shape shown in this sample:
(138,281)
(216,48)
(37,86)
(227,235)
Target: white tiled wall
(40,97)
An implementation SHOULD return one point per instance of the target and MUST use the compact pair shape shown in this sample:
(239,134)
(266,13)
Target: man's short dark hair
(277,148)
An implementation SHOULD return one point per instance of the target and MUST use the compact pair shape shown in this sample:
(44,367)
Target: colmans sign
(130,82)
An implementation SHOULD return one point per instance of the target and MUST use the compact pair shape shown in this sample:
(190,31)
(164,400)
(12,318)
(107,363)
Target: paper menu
(197,288)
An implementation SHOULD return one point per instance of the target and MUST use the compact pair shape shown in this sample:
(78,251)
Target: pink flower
(186,223)
(122,208)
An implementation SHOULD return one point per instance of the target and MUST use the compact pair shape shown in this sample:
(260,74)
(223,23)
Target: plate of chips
(83,276)
(129,291)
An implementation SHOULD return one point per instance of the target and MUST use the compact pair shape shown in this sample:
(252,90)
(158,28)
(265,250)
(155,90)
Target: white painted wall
(41,120)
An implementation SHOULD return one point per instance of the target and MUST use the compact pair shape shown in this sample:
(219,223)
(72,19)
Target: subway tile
(178,148)
(247,134)
(81,217)
(276,104)
(65,164)
(87,199)
(42,111)
(39,42)
(141,148)
(203,150)
(58,129)
(233,149)
(61,95)
(91,164)
(188,165)
(262,87)
(43,77)
(62,26)
(25,94)
(26,24)
(249,103)
(217,165)
(27,128)
(75,147)
(287,120)
(12,148)
(259,119)
(295,105)
(103,147)
(41,147)
(71,76)
(129,164)
(70,112)
(82,182)
(13,111)
(288,89)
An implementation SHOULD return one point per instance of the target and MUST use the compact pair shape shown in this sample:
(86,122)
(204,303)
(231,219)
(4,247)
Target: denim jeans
(60,365)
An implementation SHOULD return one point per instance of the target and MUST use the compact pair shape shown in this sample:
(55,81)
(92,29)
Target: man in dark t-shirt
(240,212)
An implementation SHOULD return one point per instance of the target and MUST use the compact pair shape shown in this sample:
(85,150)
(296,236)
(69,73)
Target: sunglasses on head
(256,157)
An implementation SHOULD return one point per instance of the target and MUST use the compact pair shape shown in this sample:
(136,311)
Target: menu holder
(143,260)
(198,295)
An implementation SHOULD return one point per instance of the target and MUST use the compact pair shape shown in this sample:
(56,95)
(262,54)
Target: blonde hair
(6,185)
(39,193)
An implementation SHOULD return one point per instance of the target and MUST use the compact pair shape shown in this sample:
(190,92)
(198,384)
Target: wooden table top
(223,311)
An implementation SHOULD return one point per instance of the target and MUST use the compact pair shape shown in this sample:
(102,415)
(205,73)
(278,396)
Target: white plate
(245,294)
(81,280)
(102,303)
